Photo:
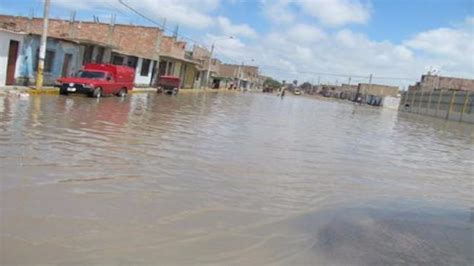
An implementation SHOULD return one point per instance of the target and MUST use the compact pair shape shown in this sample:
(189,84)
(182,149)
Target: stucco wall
(378,90)
(5,38)
(27,73)
(189,77)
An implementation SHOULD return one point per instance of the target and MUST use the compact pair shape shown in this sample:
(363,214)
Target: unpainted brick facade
(133,40)
(170,47)
(433,82)
(138,41)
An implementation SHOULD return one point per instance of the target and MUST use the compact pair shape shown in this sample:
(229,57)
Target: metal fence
(447,104)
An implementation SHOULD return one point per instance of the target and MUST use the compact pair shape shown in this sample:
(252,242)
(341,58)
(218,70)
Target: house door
(11,65)
(66,65)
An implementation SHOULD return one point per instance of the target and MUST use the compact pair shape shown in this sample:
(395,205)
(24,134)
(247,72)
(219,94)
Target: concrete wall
(452,105)
(5,38)
(391,102)
(378,90)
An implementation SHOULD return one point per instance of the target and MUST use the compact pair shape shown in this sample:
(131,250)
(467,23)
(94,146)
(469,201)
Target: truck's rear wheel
(122,92)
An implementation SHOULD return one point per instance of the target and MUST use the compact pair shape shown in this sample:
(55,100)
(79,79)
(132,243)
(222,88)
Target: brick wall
(349,88)
(229,71)
(172,48)
(139,41)
(431,82)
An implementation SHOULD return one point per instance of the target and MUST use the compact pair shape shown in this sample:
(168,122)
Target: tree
(306,86)
(269,82)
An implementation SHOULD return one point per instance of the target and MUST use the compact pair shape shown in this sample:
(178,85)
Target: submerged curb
(55,91)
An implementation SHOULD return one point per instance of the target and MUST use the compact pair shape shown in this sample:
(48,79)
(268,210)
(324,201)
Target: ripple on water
(231,178)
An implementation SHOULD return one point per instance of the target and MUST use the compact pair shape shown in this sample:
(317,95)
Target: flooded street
(231,179)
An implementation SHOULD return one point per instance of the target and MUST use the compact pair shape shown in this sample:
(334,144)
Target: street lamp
(210,57)
(241,67)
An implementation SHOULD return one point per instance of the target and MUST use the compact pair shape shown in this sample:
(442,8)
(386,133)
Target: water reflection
(230,178)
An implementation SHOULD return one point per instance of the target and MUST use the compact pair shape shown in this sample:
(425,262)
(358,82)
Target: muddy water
(231,179)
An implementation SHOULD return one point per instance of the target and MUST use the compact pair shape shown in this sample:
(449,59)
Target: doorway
(66,65)
(11,65)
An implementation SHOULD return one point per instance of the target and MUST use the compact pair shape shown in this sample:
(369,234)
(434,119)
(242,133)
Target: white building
(10,47)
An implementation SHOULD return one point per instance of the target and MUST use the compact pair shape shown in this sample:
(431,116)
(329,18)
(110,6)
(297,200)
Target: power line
(162,27)
(138,12)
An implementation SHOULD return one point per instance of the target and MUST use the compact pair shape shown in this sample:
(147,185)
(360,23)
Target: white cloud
(333,13)
(336,12)
(278,11)
(351,53)
(306,33)
(230,29)
(187,13)
(230,50)
(292,49)
(456,43)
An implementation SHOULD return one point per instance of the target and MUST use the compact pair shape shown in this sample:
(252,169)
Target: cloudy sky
(307,40)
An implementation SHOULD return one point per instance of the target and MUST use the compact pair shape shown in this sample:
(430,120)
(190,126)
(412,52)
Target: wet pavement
(231,179)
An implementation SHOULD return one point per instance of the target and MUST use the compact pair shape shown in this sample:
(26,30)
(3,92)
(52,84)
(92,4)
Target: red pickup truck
(97,80)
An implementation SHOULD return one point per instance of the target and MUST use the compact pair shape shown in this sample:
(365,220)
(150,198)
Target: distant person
(282,93)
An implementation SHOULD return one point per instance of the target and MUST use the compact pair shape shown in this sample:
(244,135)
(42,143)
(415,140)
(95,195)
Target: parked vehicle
(96,80)
(297,92)
(168,85)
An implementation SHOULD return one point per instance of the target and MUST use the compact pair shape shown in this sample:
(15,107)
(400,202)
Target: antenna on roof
(430,71)
(72,18)
(175,33)
(163,25)
(112,19)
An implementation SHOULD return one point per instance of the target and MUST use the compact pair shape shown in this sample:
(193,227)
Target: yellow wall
(177,68)
(189,76)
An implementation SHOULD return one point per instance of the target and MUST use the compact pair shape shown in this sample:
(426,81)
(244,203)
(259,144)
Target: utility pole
(209,65)
(349,81)
(238,77)
(42,54)
(370,83)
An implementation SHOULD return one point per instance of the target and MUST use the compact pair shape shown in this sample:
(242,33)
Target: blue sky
(305,39)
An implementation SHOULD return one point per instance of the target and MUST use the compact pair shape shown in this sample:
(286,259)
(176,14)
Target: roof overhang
(172,57)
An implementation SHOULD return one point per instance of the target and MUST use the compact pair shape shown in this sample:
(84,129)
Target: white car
(297,92)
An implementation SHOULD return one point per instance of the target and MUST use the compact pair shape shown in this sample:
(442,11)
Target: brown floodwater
(231,179)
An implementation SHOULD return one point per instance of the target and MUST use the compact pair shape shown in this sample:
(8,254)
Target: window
(90,74)
(87,58)
(100,55)
(48,61)
(145,67)
(162,68)
(132,61)
(117,60)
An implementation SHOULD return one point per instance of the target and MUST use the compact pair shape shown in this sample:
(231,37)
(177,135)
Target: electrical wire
(267,66)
